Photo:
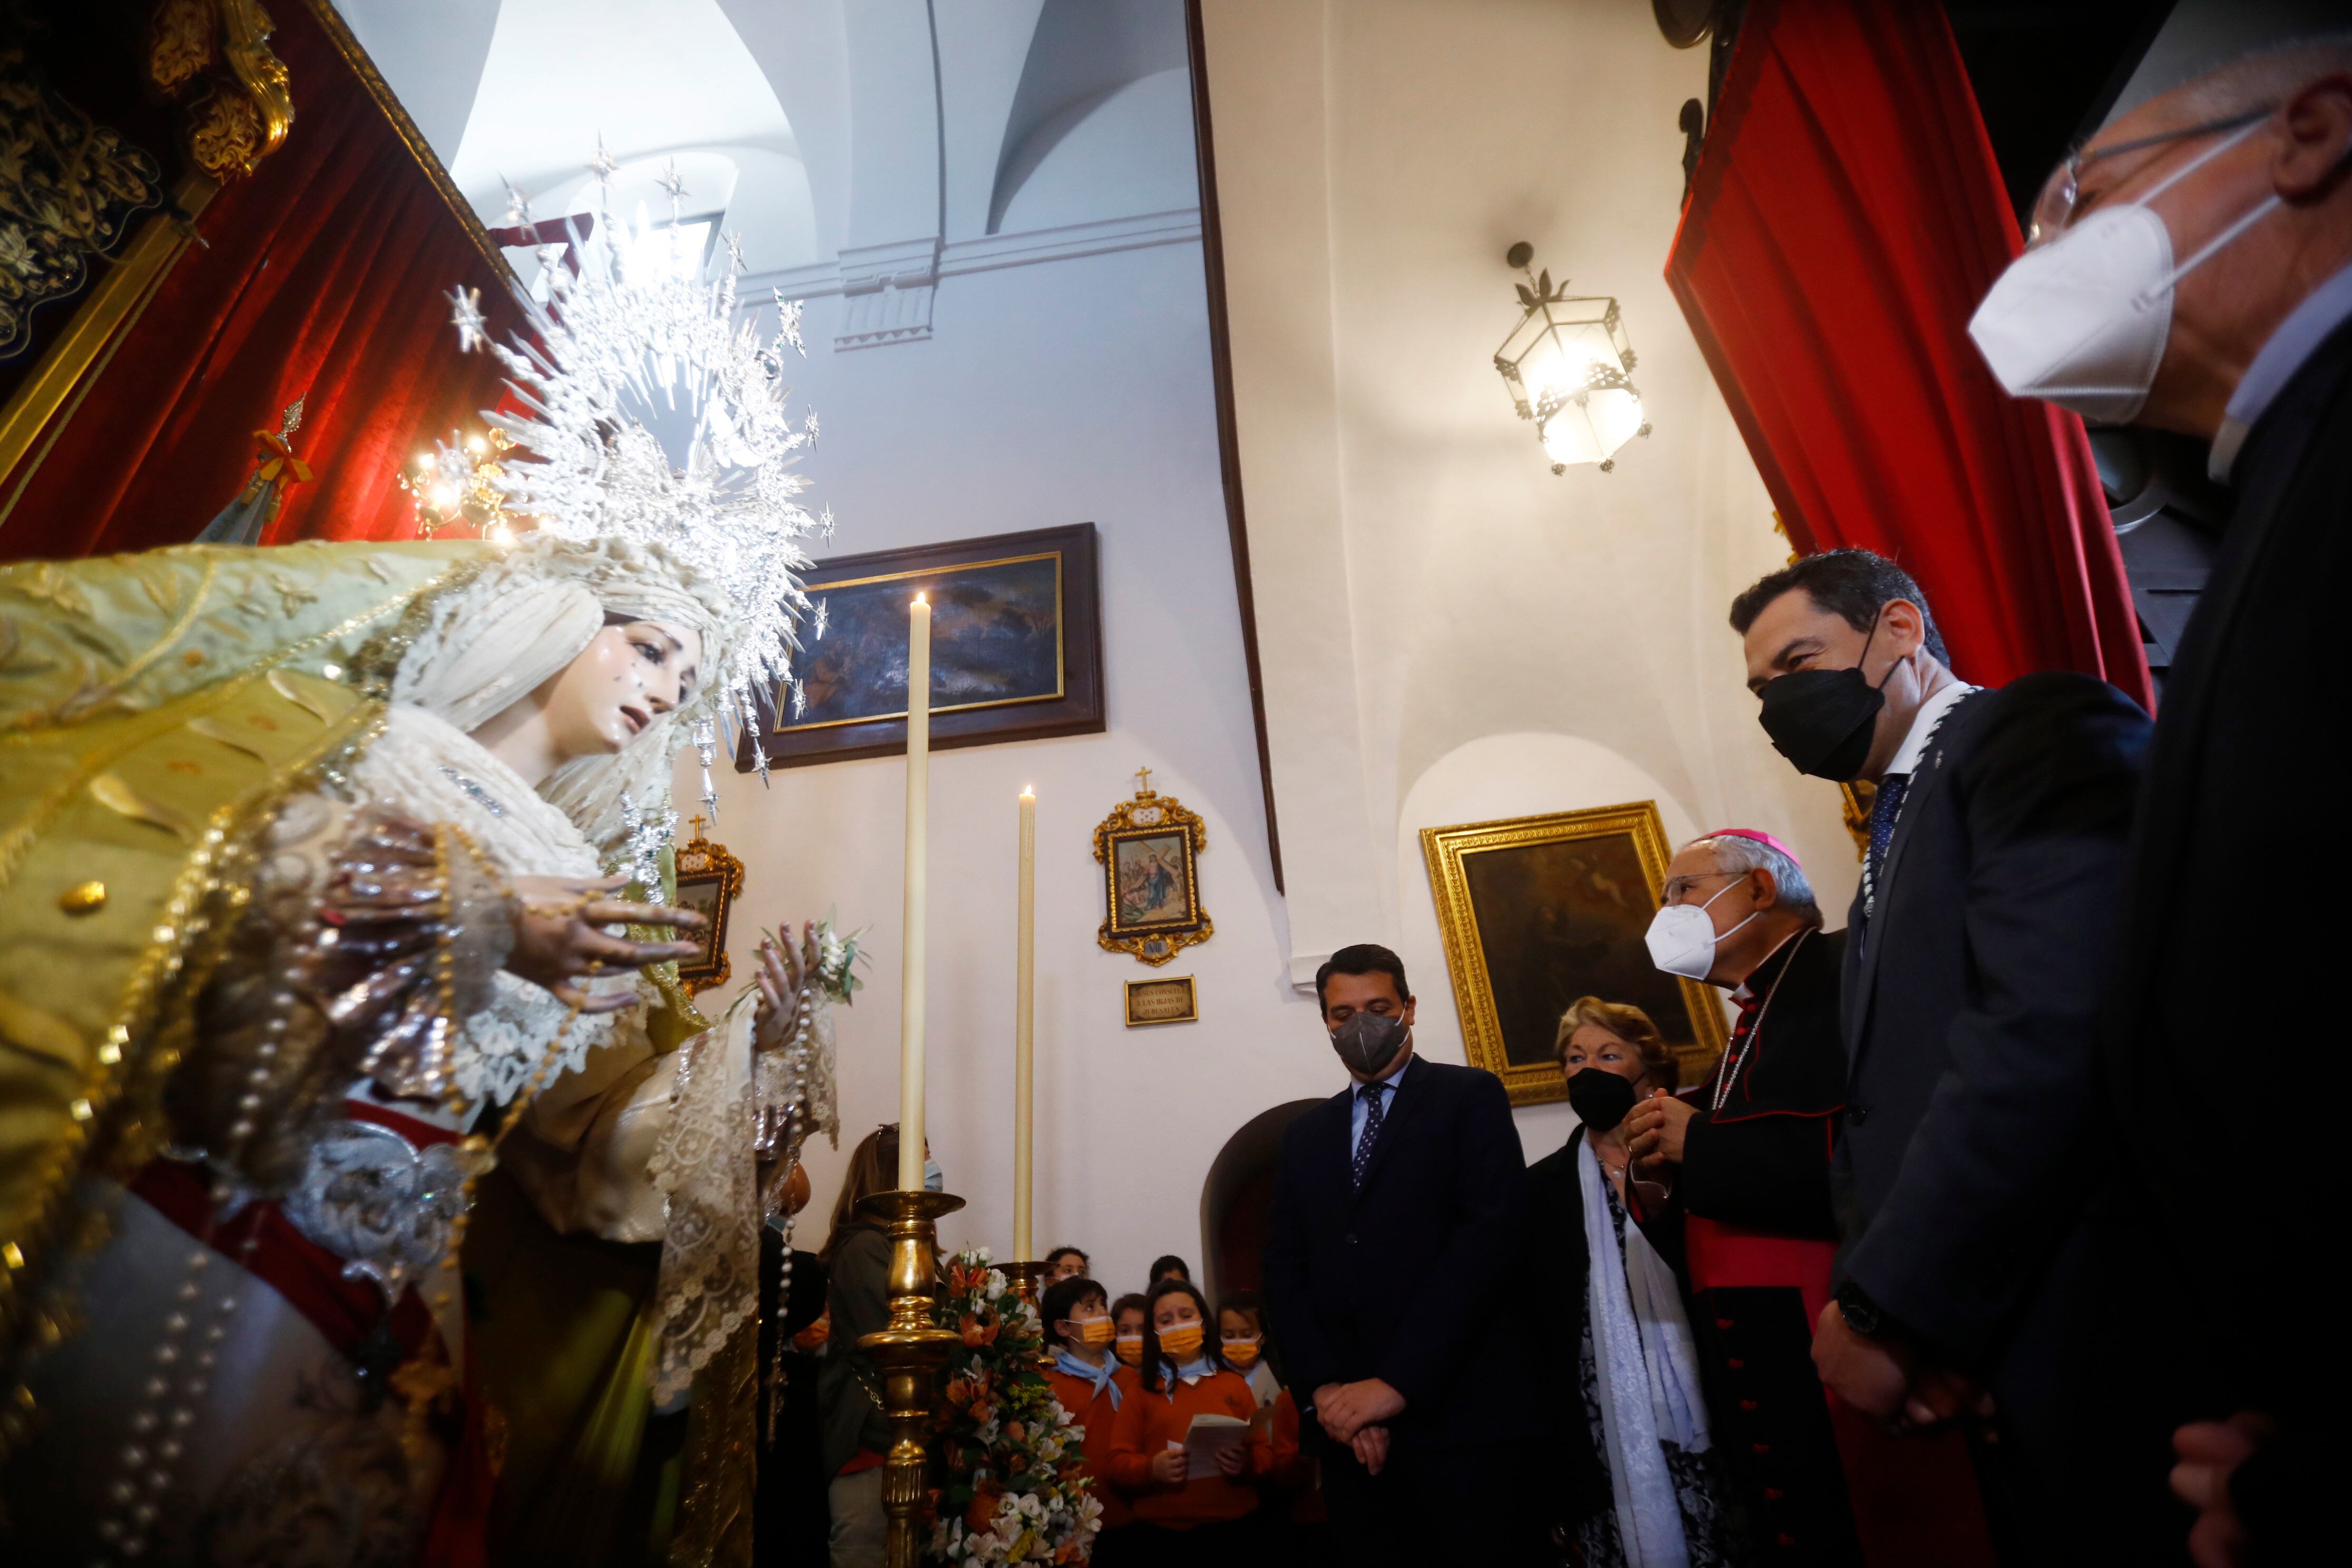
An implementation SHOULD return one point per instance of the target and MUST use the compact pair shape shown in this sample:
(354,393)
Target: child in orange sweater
(1127,1329)
(1092,1387)
(1184,1518)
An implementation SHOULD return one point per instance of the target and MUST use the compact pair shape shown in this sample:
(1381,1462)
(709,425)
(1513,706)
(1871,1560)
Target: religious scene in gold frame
(1152,886)
(1537,912)
(709,879)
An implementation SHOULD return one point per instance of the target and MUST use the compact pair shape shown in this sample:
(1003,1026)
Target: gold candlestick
(909,1353)
(1026,1273)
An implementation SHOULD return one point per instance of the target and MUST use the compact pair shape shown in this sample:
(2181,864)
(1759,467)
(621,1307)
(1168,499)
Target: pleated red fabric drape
(325,277)
(1845,221)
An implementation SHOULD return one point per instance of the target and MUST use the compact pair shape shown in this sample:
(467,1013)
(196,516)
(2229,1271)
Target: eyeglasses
(1679,888)
(2054,208)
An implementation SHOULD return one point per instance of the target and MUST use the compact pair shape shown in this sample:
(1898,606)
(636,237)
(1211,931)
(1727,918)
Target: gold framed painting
(1537,912)
(1151,880)
(709,878)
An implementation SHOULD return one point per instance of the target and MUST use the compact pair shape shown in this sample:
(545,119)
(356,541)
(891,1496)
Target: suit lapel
(1916,800)
(1331,1138)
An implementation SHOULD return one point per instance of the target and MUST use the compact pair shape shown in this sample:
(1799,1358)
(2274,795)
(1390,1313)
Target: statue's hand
(557,940)
(779,979)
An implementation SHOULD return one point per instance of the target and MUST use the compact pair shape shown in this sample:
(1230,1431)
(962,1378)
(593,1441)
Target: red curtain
(325,276)
(1846,218)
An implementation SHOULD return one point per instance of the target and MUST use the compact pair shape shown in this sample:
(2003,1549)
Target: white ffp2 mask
(1682,939)
(2082,322)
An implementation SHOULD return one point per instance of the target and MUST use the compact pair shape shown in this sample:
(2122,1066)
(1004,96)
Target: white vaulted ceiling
(877,126)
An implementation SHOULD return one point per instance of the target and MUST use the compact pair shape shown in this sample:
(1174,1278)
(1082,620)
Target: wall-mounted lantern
(1569,368)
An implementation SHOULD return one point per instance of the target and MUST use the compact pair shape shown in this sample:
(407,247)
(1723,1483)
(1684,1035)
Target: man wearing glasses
(2191,270)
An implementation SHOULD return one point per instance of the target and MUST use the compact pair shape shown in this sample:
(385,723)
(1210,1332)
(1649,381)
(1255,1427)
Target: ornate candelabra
(909,1353)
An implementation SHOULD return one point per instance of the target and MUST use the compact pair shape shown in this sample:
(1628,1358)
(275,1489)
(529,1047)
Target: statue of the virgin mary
(314,876)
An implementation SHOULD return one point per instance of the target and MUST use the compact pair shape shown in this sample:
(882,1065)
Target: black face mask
(1822,719)
(1600,1097)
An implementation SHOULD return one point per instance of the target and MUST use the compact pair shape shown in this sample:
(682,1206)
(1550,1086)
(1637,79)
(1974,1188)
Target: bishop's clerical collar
(1759,979)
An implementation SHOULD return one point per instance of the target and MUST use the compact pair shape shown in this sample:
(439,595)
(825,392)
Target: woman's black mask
(1821,720)
(1600,1097)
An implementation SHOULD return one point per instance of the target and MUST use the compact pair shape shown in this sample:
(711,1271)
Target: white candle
(918,823)
(1024,1017)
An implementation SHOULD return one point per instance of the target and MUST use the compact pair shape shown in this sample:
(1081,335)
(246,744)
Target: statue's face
(620,683)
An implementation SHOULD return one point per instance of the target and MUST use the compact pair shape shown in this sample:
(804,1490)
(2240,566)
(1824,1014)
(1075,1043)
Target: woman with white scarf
(1653,1496)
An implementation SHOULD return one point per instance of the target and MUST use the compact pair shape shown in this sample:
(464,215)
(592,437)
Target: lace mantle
(704,1165)
(425,768)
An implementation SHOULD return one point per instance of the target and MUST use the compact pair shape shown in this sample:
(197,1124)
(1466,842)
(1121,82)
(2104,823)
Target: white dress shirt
(1923,724)
(1357,1108)
(2306,327)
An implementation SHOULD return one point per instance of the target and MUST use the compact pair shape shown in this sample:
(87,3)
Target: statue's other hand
(779,980)
(558,938)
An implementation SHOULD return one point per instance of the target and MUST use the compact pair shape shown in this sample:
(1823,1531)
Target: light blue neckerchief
(1102,1377)
(1193,1371)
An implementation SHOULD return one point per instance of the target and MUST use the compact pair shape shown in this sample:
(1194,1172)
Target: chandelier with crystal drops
(1569,368)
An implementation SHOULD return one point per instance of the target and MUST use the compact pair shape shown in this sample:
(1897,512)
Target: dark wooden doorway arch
(1237,1200)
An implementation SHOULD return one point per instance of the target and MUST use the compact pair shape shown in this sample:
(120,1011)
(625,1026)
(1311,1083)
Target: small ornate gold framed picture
(1151,886)
(709,878)
(1169,1001)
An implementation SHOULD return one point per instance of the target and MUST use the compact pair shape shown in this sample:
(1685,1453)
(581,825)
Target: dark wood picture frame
(1074,706)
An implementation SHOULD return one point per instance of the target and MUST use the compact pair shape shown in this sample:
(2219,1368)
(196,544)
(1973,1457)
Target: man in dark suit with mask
(1977,952)
(1398,1219)
(2247,344)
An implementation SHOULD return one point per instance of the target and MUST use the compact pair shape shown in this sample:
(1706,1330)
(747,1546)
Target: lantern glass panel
(1558,346)
(1589,428)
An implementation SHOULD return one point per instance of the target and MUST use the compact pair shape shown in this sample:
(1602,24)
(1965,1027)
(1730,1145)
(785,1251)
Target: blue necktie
(1371,1098)
(1883,813)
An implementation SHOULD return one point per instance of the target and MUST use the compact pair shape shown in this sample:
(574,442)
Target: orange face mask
(1243,1353)
(1182,1342)
(1128,1348)
(1096,1332)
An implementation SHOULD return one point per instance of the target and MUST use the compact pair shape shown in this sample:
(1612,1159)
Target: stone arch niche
(1237,1201)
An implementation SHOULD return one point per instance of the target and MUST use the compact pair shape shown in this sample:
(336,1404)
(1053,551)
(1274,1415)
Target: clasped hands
(1655,1130)
(1356,1414)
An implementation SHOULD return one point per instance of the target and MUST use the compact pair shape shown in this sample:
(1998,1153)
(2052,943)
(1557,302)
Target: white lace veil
(532,612)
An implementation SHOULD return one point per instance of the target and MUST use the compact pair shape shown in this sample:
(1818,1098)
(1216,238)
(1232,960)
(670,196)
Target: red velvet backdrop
(1846,219)
(327,276)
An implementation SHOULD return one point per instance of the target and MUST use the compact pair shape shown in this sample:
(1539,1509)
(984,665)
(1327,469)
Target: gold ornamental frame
(1447,851)
(1147,816)
(702,864)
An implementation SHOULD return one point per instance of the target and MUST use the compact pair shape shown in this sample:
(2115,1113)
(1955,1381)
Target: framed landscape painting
(1016,648)
(1537,912)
